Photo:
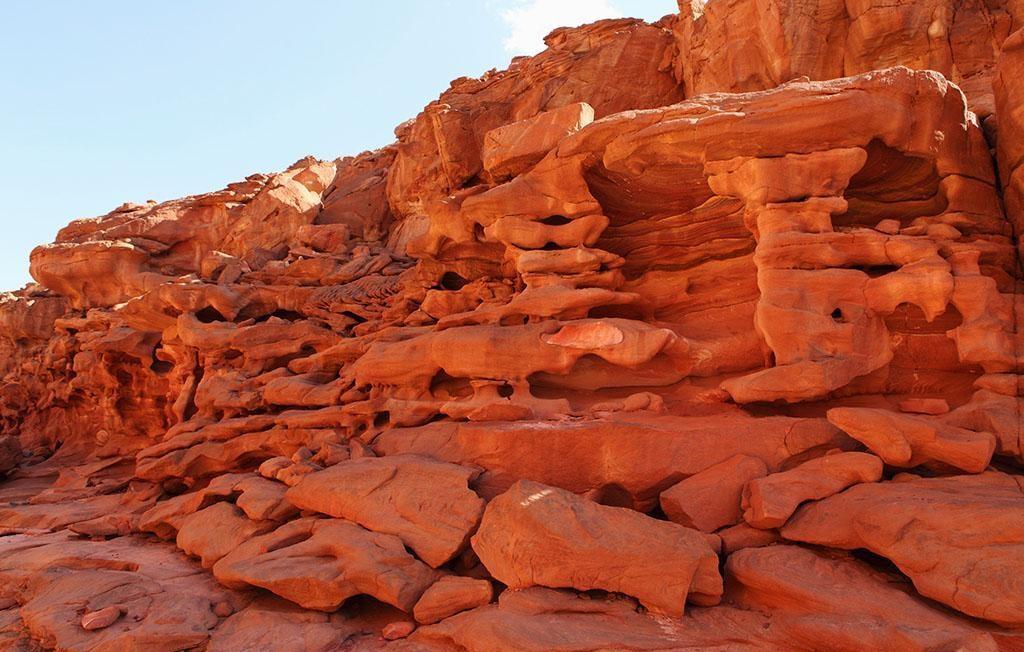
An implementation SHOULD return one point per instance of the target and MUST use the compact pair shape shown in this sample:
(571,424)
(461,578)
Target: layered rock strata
(701,334)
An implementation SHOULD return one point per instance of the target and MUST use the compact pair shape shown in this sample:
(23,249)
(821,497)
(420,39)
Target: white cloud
(529,21)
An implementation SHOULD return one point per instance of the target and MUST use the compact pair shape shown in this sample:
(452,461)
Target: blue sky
(106,101)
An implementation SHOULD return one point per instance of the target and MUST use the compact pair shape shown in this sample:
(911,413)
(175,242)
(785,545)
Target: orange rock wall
(704,333)
(746,45)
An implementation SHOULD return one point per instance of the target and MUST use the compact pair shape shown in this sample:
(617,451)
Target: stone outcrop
(320,563)
(712,498)
(511,451)
(909,441)
(745,45)
(700,334)
(1009,91)
(972,567)
(839,603)
(426,504)
(768,502)
(536,535)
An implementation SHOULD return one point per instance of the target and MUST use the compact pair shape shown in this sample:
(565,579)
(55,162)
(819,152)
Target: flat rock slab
(960,539)
(425,503)
(828,602)
(536,535)
(137,594)
(320,563)
(542,620)
(280,626)
(575,455)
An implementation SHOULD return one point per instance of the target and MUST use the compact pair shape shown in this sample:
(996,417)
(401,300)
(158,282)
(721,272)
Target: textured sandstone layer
(705,334)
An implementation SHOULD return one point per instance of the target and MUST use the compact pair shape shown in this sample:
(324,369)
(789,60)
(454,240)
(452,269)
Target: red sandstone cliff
(700,334)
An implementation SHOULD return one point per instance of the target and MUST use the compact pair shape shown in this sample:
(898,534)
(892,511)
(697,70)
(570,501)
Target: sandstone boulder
(711,499)
(908,441)
(320,563)
(217,530)
(536,535)
(425,503)
(769,502)
(958,538)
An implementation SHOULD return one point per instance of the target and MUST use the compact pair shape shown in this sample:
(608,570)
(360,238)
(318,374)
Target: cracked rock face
(701,334)
(970,567)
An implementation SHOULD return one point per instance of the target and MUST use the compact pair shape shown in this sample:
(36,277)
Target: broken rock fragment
(710,500)
(451,595)
(513,148)
(768,502)
(101,618)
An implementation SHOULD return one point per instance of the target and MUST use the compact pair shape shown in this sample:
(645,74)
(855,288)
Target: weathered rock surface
(960,539)
(684,271)
(711,499)
(536,535)
(320,563)
(514,148)
(909,441)
(835,603)
(451,595)
(425,503)
(769,502)
(540,619)
(744,45)
(270,623)
(163,601)
(575,455)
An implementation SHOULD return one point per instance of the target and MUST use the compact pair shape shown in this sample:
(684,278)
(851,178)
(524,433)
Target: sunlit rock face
(698,334)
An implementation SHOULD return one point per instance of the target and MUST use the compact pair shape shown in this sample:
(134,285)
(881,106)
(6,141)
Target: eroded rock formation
(696,334)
